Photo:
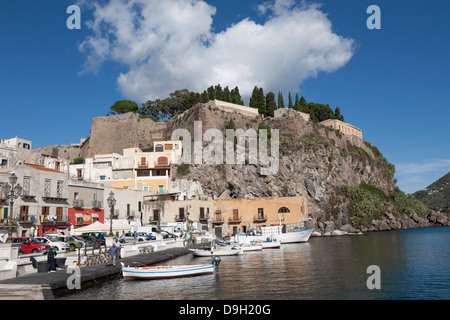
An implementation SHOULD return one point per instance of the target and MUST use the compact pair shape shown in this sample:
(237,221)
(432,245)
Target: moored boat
(165,272)
(275,233)
(271,244)
(216,251)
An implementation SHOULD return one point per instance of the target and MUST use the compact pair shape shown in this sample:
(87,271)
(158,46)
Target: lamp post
(12,191)
(111,203)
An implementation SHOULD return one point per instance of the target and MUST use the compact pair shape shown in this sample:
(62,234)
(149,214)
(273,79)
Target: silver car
(60,246)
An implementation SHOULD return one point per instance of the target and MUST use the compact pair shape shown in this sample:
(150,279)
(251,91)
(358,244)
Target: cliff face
(348,182)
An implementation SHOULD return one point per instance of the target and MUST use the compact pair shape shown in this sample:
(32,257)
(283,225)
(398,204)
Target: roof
(42,168)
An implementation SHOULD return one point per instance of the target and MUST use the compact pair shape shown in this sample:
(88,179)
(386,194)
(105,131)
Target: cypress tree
(270,104)
(280,100)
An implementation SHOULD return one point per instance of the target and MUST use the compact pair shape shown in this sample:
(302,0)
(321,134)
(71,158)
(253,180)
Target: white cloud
(168,45)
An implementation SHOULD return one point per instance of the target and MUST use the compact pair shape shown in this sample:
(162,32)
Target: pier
(47,286)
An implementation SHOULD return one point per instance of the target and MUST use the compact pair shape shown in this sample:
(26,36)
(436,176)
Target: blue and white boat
(165,272)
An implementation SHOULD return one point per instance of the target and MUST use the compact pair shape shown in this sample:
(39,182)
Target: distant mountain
(437,195)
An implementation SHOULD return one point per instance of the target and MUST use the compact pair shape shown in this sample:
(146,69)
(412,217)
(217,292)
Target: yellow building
(226,216)
(343,127)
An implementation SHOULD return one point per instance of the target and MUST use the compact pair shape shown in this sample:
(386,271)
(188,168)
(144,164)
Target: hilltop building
(343,127)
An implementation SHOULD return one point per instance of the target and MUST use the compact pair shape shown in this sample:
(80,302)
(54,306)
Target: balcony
(179,218)
(235,220)
(203,218)
(143,165)
(260,218)
(96,204)
(217,219)
(77,203)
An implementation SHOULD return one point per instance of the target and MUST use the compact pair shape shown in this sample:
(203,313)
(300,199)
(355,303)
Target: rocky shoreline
(388,223)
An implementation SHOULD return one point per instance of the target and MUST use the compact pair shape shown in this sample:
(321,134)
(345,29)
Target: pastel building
(225,216)
(343,127)
(136,169)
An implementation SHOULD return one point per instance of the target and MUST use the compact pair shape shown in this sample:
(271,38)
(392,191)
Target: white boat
(275,233)
(214,252)
(245,246)
(271,244)
(165,272)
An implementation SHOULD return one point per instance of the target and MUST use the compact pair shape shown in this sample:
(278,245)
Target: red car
(30,245)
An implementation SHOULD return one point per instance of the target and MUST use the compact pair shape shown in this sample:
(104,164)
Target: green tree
(236,96)
(271,106)
(337,114)
(123,106)
(290,100)
(178,101)
(280,100)
(257,100)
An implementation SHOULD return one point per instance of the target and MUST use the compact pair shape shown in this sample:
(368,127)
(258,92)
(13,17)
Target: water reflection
(414,265)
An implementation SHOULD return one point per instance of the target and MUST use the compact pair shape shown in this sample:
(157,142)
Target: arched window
(163,161)
(283,210)
(159,148)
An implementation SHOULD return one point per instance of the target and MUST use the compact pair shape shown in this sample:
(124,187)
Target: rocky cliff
(348,182)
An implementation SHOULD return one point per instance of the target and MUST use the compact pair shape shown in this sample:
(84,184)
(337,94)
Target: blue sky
(393,83)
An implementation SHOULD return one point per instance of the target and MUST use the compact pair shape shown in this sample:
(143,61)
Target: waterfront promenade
(46,286)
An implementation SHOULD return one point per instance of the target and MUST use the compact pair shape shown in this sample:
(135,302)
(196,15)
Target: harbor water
(413,264)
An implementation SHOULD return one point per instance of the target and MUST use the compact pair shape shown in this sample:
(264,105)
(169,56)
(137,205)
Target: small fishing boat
(275,232)
(165,272)
(216,251)
(271,244)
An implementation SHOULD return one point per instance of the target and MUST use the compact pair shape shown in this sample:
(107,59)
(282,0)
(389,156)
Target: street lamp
(111,203)
(12,191)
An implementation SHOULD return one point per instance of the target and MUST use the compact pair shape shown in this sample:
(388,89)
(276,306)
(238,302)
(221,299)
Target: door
(160,189)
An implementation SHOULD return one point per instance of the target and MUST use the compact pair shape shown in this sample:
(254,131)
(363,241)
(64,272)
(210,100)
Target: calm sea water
(414,264)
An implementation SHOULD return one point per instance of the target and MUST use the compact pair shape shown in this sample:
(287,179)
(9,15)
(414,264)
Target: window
(26,186)
(45,211)
(163,161)
(47,187)
(202,213)
(261,213)
(102,177)
(59,188)
(283,210)
(59,214)
(159,148)
(128,209)
(181,213)
(23,213)
(235,214)
(168,146)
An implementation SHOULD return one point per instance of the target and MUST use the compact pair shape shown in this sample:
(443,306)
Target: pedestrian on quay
(118,245)
(51,261)
(113,252)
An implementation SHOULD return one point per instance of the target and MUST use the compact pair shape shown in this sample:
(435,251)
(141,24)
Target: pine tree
(290,100)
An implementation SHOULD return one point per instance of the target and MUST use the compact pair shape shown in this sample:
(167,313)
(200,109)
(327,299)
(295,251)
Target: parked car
(30,245)
(129,236)
(59,245)
(88,240)
(167,234)
(73,241)
(148,236)
(98,236)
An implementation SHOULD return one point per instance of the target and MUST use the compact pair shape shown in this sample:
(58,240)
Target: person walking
(113,252)
(51,261)
(118,245)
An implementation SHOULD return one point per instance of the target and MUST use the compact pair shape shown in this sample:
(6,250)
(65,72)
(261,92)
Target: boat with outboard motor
(165,272)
